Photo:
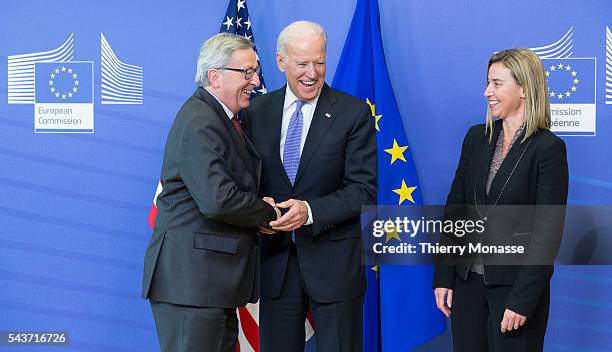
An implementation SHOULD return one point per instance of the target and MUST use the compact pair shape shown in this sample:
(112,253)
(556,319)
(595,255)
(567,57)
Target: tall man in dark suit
(201,262)
(319,161)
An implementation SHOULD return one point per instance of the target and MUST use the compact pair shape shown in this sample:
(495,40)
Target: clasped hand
(265,230)
(294,218)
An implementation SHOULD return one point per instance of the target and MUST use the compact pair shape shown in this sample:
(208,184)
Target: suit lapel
(486,155)
(238,143)
(241,146)
(277,101)
(255,158)
(318,128)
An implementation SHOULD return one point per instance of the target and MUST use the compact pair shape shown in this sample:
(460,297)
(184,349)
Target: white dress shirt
(308,109)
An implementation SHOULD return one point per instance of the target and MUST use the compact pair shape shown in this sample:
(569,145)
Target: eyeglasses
(248,72)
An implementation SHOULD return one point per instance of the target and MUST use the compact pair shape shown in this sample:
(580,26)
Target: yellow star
(560,96)
(57,70)
(52,75)
(568,67)
(76,83)
(573,89)
(376,119)
(392,234)
(396,152)
(560,66)
(405,193)
(50,83)
(552,68)
(57,94)
(372,106)
(69,70)
(547,73)
(52,89)
(576,80)
(74,89)
(552,94)
(74,75)
(567,94)
(63,96)
(70,94)
(574,73)
(63,69)
(373,112)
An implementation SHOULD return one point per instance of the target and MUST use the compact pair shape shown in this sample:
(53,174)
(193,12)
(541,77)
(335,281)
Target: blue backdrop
(73,207)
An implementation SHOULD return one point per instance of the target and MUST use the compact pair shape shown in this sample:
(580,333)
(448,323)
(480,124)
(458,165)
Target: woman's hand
(444,299)
(512,321)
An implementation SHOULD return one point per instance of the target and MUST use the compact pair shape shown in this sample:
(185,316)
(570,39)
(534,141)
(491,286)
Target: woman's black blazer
(533,175)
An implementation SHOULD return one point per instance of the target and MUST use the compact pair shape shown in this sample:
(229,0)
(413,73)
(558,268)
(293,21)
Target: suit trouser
(477,313)
(338,325)
(195,329)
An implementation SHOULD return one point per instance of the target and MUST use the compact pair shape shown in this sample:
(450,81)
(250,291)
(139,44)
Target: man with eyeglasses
(201,262)
(319,162)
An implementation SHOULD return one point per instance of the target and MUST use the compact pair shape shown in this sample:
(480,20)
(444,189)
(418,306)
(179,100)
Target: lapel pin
(328,115)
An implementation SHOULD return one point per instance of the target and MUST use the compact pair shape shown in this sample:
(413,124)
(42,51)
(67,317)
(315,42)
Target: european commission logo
(62,89)
(63,97)
(571,89)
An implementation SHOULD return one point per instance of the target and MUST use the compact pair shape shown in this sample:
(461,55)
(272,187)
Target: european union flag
(399,308)
(570,81)
(64,82)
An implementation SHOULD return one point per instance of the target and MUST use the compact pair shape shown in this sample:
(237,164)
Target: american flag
(237,21)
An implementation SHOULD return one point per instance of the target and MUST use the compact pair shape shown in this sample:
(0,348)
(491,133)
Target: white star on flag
(228,22)
(240,4)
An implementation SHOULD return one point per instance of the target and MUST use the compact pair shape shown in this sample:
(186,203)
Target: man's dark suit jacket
(336,176)
(203,249)
(539,179)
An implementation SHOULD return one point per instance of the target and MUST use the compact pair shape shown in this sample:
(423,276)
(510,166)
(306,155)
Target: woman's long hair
(528,72)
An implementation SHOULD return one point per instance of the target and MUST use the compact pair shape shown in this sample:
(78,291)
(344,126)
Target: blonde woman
(512,159)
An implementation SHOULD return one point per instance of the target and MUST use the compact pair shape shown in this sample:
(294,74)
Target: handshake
(294,215)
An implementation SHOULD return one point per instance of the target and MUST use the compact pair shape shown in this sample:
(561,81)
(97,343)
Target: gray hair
(217,52)
(298,29)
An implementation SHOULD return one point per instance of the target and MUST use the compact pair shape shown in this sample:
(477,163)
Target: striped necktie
(291,152)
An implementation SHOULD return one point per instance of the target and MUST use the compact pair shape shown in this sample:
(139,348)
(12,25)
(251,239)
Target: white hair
(217,52)
(298,29)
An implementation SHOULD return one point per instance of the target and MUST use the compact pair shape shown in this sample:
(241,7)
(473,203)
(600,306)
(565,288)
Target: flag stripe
(249,327)
(152,215)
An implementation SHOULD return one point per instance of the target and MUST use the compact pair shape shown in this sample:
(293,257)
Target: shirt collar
(229,112)
(290,99)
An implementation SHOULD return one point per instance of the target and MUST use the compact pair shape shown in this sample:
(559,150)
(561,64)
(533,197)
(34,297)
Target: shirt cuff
(310,220)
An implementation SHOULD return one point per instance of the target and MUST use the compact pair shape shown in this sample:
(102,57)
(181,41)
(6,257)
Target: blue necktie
(293,140)
(291,152)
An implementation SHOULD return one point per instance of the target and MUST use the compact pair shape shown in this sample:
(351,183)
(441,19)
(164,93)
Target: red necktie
(237,126)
